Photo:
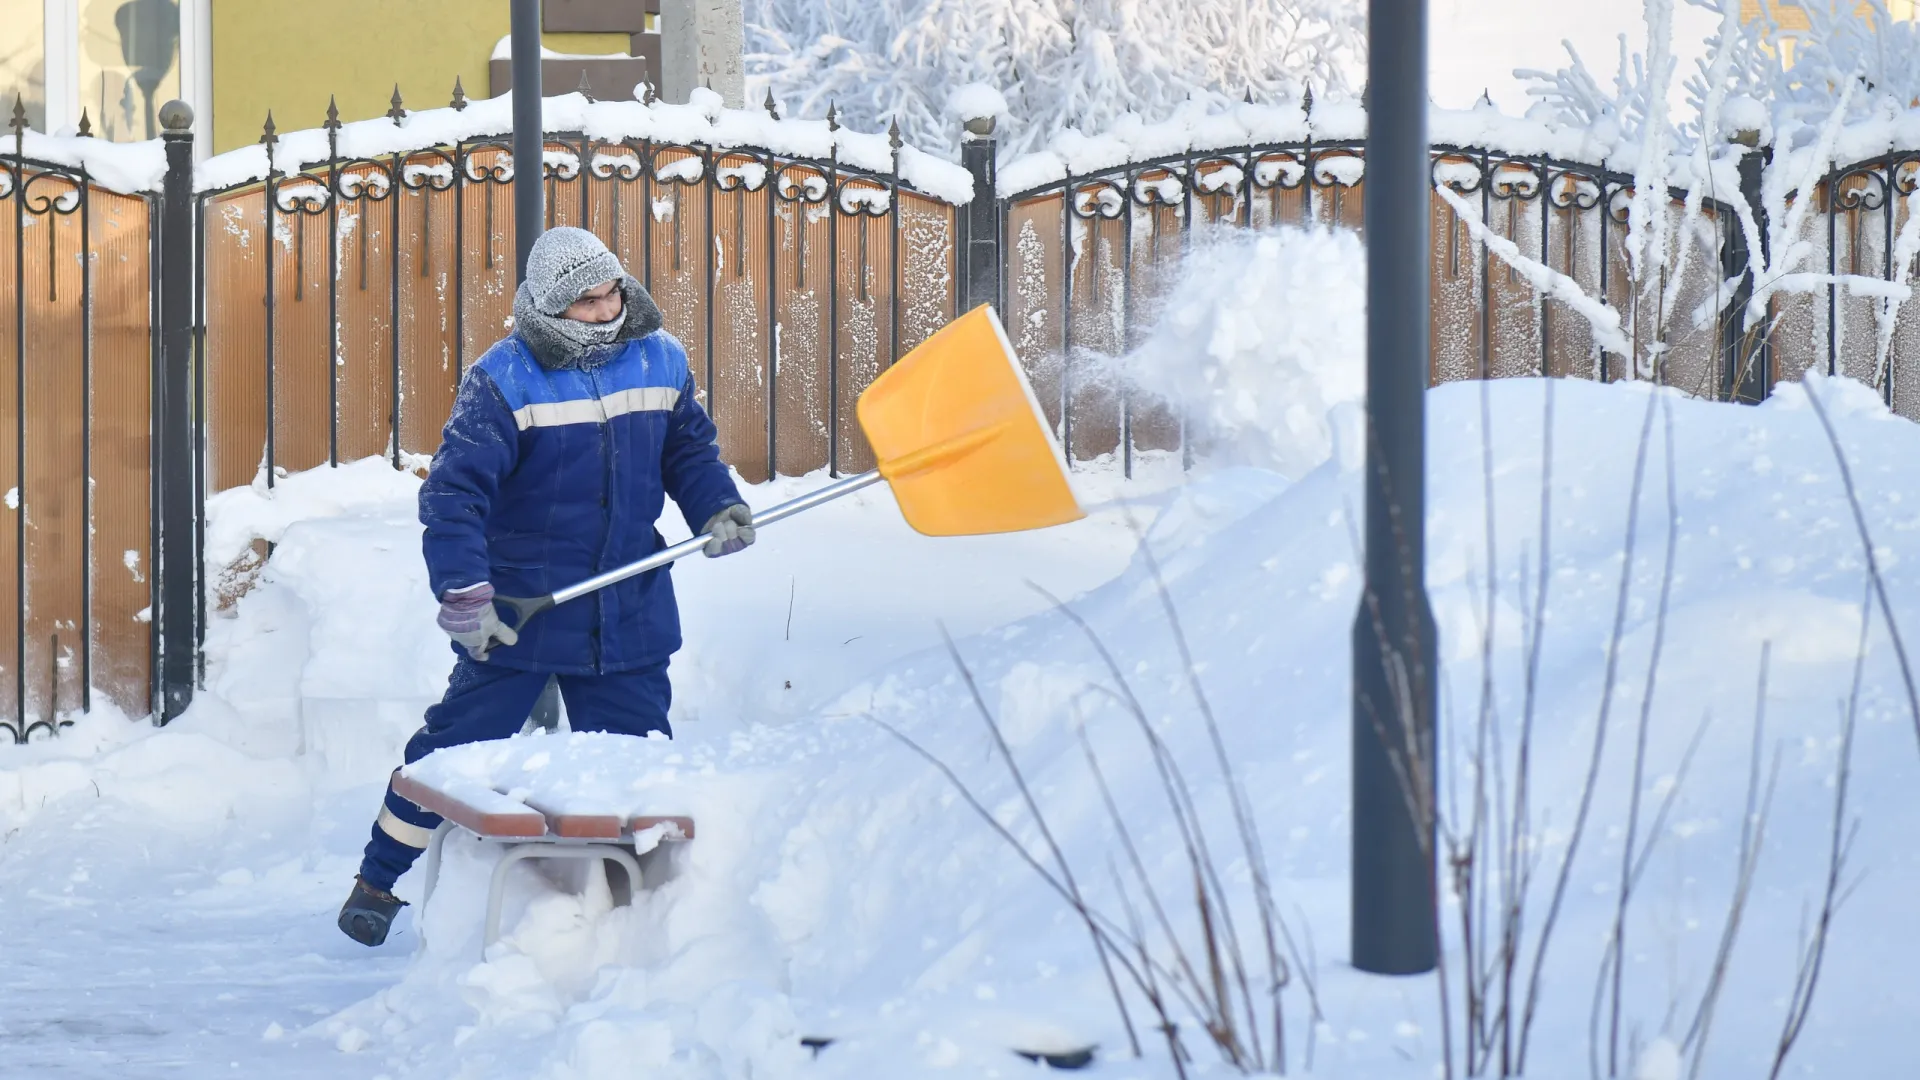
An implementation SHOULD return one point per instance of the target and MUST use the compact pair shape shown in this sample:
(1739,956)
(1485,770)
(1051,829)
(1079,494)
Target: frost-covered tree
(1060,63)
(1853,61)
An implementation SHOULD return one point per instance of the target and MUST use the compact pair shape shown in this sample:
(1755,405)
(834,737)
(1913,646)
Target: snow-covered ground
(170,894)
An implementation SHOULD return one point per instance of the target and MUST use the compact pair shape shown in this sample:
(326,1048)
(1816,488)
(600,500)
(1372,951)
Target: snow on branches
(1060,63)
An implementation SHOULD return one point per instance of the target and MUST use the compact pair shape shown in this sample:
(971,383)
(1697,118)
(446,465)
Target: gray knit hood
(566,262)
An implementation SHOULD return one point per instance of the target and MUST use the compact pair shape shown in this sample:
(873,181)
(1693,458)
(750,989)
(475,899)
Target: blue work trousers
(486,701)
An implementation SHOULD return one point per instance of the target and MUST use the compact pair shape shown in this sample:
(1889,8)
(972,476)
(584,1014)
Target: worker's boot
(368,913)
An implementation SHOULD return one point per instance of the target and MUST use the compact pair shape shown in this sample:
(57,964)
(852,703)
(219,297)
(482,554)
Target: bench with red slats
(486,812)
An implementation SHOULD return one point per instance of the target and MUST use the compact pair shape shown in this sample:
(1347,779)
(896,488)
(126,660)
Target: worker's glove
(468,617)
(729,531)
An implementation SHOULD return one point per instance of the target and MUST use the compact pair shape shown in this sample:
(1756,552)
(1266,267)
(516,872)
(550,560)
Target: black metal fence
(77,322)
(370,283)
(170,345)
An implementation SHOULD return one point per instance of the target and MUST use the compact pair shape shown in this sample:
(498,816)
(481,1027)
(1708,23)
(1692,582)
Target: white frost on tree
(1060,63)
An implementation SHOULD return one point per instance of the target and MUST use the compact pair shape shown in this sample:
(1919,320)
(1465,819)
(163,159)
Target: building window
(129,65)
(23,60)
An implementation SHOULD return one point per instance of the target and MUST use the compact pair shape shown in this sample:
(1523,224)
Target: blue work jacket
(545,478)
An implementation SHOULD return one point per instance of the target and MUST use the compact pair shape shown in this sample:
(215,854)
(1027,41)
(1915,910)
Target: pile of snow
(1261,347)
(839,887)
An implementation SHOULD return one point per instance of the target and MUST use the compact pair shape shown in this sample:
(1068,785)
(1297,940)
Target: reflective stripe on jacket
(545,478)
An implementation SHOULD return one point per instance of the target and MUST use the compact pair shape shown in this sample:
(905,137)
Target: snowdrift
(176,888)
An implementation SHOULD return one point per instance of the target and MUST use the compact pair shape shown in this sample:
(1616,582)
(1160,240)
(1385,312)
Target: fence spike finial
(1306,100)
(772,109)
(19,122)
(833,118)
(399,111)
(1249,98)
(333,114)
(459,101)
(86,124)
(585,89)
(267,137)
(893,135)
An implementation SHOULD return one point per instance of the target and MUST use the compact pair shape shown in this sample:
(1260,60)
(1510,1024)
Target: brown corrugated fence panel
(801,411)
(12,282)
(1098,293)
(1514,318)
(122,449)
(1858,246)
(302,342)
(680,260)
(866,314)
(236,321)
(487,265)
(1454,330)
(1574,250)
(429,371)
(742,329)
(1034,284)
(1619,294)
(928,271)
(54,498)
(1904,349)
(363,370)
(1334,203)
(563,194)
(1799,319)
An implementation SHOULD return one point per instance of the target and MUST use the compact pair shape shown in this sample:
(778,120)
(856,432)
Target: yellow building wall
(289,56)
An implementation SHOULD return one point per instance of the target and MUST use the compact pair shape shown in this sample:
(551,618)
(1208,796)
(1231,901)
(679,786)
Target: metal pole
(528,141)
(1394,927)
(178,510)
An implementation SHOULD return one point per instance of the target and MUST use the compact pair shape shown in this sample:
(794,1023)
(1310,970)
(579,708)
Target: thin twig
(1033,807)
(1874,577)
(1840,845)
(1753,828)
(1277,972)
(1545,937)
(1640,752)
(1102,936)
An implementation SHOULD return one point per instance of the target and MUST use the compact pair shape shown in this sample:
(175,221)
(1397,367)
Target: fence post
(980,223)
(177,507)
(1747,357)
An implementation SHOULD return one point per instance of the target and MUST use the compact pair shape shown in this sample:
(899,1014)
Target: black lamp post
(1394,931)
(529,143)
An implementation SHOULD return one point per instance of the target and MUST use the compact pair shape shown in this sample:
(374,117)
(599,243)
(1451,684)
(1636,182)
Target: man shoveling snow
(564,441)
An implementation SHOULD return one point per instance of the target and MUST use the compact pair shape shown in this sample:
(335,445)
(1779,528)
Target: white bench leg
(432,873)
(514,853)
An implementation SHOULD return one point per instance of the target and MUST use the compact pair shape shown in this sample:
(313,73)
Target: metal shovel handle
(526,607)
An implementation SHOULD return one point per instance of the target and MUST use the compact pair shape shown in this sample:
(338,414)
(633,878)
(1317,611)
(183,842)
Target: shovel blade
(961,439)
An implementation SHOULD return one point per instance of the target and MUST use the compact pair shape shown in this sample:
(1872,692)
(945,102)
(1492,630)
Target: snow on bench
(575,786)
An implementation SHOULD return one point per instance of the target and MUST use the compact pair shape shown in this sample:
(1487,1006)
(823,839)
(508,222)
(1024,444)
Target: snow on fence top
(703,121)
(128,168)
(1193,129)
(133,168)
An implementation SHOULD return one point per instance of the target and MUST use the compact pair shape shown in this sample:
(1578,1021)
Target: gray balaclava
(566,262)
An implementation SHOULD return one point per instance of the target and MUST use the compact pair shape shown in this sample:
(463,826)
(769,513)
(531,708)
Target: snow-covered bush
(1061,63)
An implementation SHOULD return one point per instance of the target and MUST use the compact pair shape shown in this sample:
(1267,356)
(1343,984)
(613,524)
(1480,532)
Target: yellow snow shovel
(959,436)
